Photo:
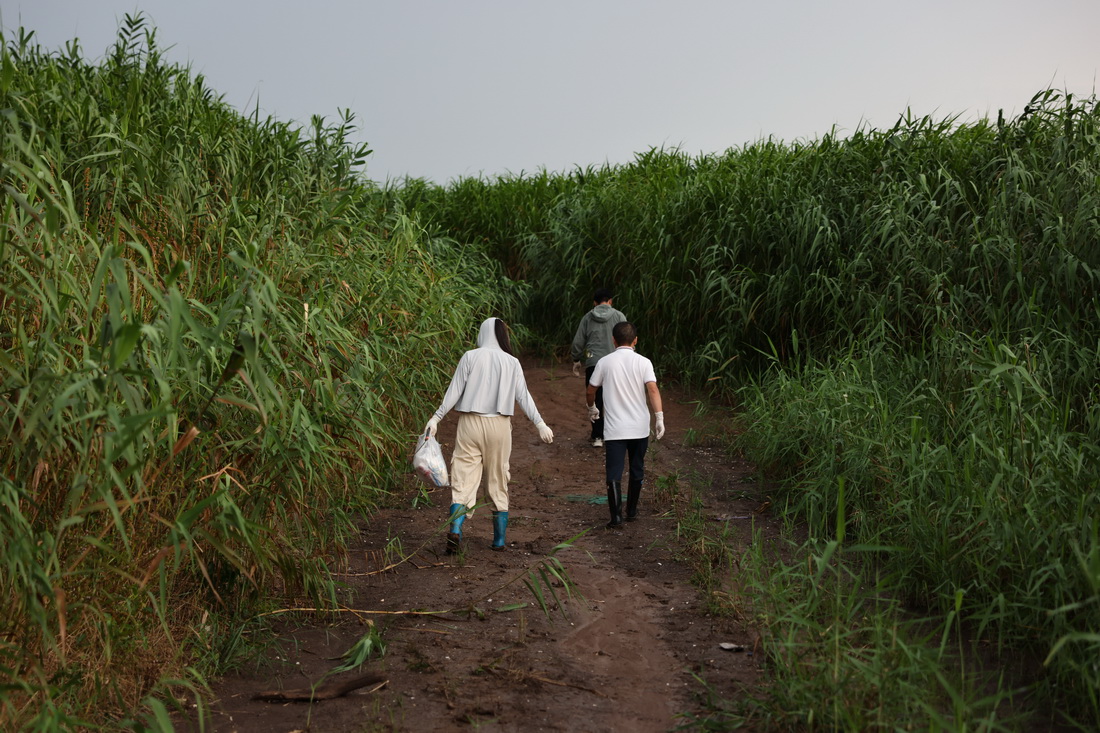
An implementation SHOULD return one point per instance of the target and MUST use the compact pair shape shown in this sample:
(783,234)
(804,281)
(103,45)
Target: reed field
(213,360)
(908,322)
(218,338)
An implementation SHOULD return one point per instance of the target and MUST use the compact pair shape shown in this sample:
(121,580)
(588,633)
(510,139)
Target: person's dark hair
(501,331)
(624,333)
(602,295)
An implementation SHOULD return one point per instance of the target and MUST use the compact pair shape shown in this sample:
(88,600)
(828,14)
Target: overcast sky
(450,88)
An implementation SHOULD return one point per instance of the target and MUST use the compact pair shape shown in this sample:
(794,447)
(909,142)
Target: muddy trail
(627,652)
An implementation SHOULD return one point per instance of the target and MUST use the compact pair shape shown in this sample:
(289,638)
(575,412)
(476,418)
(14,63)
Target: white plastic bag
(428,461)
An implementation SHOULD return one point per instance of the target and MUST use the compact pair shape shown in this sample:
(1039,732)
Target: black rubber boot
(615,504)
(633,492)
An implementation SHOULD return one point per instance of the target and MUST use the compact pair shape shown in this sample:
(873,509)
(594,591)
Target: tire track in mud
(621,646)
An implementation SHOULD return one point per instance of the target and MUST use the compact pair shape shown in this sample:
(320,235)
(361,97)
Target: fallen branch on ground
(530,676)
(356,611)
(330,691)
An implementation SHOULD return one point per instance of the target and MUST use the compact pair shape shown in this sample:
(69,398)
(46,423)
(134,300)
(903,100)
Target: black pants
(597,427)
(615,455)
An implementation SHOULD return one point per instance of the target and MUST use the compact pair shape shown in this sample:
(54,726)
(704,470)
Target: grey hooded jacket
(593,339)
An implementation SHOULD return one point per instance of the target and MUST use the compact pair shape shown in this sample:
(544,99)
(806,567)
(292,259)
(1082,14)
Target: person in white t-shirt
(484,390)
(628,384)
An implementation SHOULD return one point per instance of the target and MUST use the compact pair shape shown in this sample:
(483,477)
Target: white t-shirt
(623,375)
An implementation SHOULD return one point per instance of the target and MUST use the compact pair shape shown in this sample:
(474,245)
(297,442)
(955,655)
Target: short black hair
(624,333)
(602,295)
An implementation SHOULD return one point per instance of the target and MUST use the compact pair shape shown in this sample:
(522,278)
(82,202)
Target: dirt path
(624,657)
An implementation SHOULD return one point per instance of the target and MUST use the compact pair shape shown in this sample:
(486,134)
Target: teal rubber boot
(454,537)
(500,526)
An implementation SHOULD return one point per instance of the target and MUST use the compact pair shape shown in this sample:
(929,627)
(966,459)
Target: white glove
(545,432)
(432,426)
(660,424)
(578,371)
(593,413)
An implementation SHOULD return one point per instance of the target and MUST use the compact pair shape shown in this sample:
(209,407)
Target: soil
(632,649)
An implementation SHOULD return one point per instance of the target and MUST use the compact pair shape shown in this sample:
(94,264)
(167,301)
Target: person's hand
(545,433)
(593,413)
(660,425)
(578,371)
(431,427)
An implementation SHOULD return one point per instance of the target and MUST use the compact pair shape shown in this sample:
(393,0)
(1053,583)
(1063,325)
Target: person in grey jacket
(484,390)
(592,342)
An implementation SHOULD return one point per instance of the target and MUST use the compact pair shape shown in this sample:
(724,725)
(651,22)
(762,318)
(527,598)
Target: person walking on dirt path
(593,342)
(484,390)
(628,381)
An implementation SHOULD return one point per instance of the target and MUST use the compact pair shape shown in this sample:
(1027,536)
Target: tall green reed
(984,226)
(205,350)
(980,497)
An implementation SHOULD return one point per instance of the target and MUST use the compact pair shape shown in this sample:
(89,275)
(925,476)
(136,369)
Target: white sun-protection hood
(487,335)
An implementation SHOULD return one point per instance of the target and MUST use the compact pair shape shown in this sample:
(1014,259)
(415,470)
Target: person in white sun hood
(484,390)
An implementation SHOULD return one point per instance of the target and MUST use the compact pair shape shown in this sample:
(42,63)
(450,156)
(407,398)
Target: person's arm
(590,400)
(454,389)
(580,340)
(594,383)
(654,396)
(527,404)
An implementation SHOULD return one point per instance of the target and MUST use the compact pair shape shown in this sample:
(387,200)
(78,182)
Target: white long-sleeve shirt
(488,381)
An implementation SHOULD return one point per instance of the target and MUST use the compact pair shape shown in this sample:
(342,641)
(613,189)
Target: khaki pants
(481,443)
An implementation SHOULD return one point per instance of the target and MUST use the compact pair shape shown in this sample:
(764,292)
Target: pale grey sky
(449,88)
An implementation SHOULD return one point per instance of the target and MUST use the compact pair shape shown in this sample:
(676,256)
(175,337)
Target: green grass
(843,653)
(981,498)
